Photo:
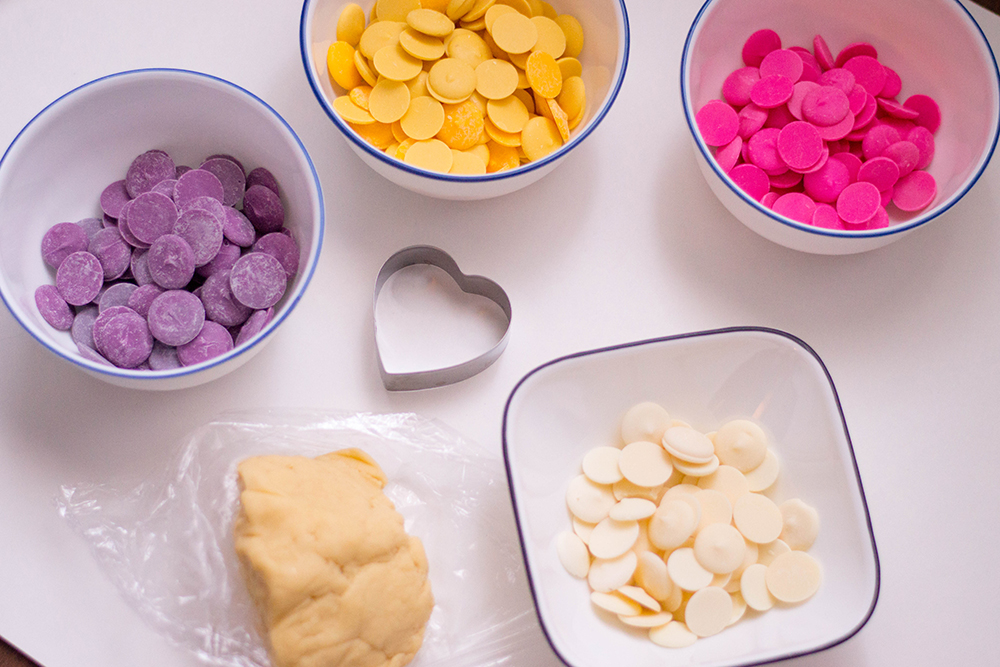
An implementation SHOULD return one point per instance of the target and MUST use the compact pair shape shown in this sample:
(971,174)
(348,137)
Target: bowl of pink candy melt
(156,227)
(839,127)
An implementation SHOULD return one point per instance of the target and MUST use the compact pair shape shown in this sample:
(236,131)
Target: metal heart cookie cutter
(476,285)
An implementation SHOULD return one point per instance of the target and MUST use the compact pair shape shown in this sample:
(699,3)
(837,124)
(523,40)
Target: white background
(622,242)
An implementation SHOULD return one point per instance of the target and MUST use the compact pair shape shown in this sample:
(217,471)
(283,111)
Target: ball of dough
(336,579)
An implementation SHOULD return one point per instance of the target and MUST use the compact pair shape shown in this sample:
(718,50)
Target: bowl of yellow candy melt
(465,99)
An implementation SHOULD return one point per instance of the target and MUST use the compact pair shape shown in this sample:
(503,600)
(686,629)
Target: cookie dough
(335,577)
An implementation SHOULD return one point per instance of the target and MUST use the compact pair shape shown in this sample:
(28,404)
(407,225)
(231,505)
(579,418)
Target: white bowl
(57,166)
(604,59)
(936,47)
(562,409)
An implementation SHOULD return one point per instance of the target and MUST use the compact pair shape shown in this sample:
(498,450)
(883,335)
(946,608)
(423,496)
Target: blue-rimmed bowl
(57,166)
(604,59)
(936,47)
(562,409)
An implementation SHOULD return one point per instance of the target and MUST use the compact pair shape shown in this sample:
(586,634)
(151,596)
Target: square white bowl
(560,410)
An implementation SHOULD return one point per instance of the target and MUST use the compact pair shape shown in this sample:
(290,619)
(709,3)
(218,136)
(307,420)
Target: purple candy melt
(176,317)
(53,308)
(171,262)
(113,198)
(230,174)
(79,278)
(140,268)
(202,231)
(163,357)
(254,325)
(223,260)
(123,337)
(284,248)
(165,187)
(147,170)
(142,297)
(220,304)
(90,226)
(112,252)
(197,183)
(261,176)
(151,215)
(82,330)
(264,209)
(61,241)
(115,295)
(237,229)
(213,341)
(258,280)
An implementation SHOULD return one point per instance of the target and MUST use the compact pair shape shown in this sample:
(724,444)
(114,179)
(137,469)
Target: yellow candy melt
(378,135)
(379,35)
(514,33)
(360,94)
(393,62)
(423,119)
(463,125)
(573,97)
(351,112)
(544,74)
(574,34)
(509,114)
(469,47)
(421,46)
(340,65)
(540,137)
(496,79)
(364,69)
(432,155)
(569,67)
(395,10)
(351,24)
(551,38)
(502,158)
(430,22)
(451,80)
(458,8)
(459,86)
(389,100)
(466,163)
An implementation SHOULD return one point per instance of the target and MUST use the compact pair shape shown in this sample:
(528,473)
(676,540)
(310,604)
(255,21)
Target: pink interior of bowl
(934,45)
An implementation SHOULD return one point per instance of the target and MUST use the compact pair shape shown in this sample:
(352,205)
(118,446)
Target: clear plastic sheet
(168,546)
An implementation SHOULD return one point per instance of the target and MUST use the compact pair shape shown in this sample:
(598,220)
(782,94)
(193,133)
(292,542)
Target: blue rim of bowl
(454,178)
(697,334)
(819,231)
(237,350)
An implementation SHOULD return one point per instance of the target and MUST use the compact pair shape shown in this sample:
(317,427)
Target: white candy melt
(675,532)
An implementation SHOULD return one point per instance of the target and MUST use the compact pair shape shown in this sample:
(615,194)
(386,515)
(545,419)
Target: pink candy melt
(821,139)
(718,123)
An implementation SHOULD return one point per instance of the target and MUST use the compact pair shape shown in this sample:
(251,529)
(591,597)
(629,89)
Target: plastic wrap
(168,545)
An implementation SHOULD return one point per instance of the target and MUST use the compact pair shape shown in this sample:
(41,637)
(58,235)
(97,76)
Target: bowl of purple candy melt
(836,127)
(157,226)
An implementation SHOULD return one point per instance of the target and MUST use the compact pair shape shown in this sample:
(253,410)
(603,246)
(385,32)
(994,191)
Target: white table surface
(602,251)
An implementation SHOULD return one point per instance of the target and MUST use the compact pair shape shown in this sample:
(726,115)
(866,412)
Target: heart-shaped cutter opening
(477,285)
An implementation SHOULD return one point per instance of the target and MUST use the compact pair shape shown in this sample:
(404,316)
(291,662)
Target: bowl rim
(359,143)
(532,586)
(983,43)
(238,350)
